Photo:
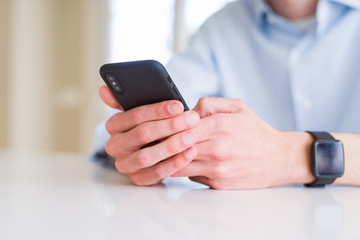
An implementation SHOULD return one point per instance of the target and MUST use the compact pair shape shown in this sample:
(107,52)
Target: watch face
(329,158)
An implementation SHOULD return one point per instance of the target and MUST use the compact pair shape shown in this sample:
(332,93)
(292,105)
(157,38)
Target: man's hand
(134,132)
(238,150)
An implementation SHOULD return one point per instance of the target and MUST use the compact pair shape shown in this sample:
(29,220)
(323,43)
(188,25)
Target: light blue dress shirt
(293,79)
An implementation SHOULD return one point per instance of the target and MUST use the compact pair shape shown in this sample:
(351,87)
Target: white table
(64,196)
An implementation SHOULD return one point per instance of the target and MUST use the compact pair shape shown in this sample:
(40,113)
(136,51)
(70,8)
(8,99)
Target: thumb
(108,98)
(208,106)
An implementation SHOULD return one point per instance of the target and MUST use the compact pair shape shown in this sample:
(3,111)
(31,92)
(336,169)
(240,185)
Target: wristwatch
(327,159)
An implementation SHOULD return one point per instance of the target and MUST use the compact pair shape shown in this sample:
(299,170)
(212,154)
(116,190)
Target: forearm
(352,158)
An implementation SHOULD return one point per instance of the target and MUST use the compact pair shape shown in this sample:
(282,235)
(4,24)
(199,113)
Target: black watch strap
(322,135)
(321,182)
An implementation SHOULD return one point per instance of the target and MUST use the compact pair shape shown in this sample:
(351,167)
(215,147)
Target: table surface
(64,196)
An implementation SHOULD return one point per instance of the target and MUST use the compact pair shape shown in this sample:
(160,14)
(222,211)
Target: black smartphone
(139,83)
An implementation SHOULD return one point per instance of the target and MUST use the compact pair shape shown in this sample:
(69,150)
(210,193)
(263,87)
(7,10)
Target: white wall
(49,73)
(4,45)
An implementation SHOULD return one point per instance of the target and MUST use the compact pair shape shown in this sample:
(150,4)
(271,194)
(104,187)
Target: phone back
(139,83)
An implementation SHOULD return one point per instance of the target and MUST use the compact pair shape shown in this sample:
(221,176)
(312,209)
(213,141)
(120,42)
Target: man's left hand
(238,150)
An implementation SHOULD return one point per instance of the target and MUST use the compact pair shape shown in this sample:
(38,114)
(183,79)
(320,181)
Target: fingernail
(192,119)
(174,108)
(188,139)
(190,153)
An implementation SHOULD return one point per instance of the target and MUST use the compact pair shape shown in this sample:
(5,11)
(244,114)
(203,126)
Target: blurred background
(50,53)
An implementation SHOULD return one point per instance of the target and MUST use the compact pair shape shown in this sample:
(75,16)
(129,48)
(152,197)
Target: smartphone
(139,83)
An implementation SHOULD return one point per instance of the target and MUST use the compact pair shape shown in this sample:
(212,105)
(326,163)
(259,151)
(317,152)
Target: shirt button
(308,104)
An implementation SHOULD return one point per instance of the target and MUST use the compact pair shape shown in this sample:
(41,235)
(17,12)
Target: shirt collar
(329,12)
(261,8)
(264,16)
(355,4)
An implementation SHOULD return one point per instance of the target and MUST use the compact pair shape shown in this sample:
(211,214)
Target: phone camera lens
(113,82)
(110,77)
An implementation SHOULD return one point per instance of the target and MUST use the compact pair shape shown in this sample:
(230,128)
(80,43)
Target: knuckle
(160,110)
(142,159)
(143,134)
(172,147)
(135,116)
(160,173)
(120,168)
(241,104)
(112,123)
(203,103)
(179,163)
(173,124)
(111,148)
(135,178)
(109,125)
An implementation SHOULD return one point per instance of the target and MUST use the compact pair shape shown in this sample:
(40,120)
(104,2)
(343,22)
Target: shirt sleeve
(98,153)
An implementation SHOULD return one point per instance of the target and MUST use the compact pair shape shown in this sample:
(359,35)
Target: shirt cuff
(98,153)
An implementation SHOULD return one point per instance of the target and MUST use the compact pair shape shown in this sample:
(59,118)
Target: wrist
(296,148)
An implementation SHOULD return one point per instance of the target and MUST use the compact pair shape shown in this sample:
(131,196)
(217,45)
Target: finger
(147,157)
(108,98)
(213,149)
(152,131)
(200,179)
(127,120)
(208,106)
(154,174)
(208,154)
(195,168)
(149,132)
(208,126)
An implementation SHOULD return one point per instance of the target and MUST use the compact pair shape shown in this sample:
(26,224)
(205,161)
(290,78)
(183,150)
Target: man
(293,62)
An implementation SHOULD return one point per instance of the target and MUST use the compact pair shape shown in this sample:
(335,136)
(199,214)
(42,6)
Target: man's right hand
(131,133)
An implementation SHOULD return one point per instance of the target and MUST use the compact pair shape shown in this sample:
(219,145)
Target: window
(143,29)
